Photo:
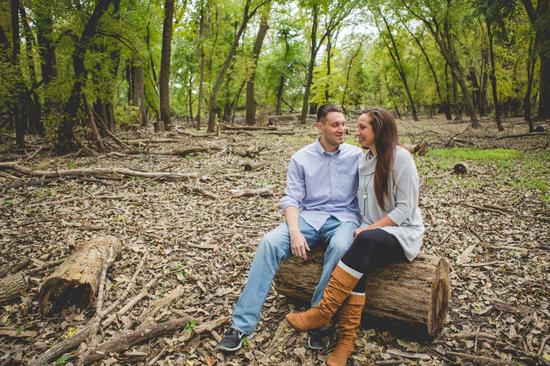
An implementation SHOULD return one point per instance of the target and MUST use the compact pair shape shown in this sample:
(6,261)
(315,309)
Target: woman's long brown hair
(385,140)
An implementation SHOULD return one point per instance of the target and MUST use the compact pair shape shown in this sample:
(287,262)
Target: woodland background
(169,125)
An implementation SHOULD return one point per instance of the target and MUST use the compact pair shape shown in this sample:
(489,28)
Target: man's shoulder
(307,150)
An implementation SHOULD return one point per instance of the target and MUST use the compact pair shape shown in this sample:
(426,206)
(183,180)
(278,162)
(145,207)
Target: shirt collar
(321,150)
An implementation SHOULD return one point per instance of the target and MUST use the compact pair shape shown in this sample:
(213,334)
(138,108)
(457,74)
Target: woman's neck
(372,150)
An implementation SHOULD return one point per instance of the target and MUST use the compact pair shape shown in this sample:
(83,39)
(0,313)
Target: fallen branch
(248,167)
(265,191)
(122,342)
(523,135)
(17,333)
(104,172)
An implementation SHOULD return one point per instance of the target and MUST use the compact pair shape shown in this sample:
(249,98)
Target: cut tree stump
(76,280)
(417,293)
(11,287)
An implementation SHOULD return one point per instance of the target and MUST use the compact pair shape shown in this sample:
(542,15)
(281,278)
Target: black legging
(372,249)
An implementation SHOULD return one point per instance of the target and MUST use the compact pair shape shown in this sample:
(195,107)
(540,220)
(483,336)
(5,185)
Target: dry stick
(458,134)
(99,304)
(129,286)
(265,191)
(130,304)
(481,359)
(545,339)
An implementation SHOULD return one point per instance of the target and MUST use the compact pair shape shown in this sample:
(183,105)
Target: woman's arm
(384,221)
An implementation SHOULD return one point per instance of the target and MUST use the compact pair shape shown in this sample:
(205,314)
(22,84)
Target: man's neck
(328,147)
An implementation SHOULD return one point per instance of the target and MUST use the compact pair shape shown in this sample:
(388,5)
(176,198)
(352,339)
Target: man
(319,205)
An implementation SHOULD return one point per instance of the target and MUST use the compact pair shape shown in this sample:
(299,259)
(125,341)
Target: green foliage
(63,359)
(191,325)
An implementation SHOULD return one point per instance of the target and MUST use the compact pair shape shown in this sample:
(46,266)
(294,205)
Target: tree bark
(493,76)
(417,293)
(138,87)
(76,280)
(164,79)
(250,116)
(65,138)
(329,56)
(11,287)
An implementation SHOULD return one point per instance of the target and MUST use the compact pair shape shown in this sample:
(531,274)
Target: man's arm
(295,191)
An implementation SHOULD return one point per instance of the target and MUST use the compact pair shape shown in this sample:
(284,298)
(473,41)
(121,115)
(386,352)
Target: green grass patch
(462,153)
(447,158)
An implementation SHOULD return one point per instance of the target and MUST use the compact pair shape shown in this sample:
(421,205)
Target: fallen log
(417,293)
(76,280)
(264,191)
(11,287)
(248,128)
(248,167)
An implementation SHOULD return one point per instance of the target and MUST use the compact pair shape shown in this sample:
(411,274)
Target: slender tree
(164,88)
(250,116)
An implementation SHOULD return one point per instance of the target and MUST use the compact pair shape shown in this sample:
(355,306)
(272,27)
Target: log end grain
(11,287)
(71,293)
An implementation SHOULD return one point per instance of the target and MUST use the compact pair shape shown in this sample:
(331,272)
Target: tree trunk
(444,103)
(65,138)
(35,124)
(11,287)
(250,116)
(399,66)
(138,88)
(348,72)
(164,87)
(531,61)
(493,76)
(212,105)
(329,55)
(417,293)
(76,280)
(540,20)
(201,64)
(46,48)
(282,79)
(190,97)
(313,48)
(20,88)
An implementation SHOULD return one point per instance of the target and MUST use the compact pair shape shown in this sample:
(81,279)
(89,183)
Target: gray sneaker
(316,338)
(232,340)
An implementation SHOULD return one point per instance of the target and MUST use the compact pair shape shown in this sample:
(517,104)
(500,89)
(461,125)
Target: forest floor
(492,224)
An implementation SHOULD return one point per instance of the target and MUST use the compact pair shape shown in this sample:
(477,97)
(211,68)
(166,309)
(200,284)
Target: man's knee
(339,246)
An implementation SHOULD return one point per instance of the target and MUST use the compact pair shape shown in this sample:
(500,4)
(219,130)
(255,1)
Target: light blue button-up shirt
(323,184)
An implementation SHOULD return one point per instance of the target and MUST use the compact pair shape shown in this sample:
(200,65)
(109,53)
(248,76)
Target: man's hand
(298,245)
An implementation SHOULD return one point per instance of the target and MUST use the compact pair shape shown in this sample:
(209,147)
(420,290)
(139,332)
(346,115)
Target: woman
(391,229)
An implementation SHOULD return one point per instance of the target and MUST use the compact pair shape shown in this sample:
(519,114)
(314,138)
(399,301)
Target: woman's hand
(358,231)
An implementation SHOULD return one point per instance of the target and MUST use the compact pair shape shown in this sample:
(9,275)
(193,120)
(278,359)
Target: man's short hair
(325,109)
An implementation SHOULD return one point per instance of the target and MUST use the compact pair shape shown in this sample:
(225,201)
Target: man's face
(333,131)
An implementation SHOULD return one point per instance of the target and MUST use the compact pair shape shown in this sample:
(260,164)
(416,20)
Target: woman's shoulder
(402,154)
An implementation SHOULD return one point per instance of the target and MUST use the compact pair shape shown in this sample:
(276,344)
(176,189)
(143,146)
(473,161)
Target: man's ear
(319,126)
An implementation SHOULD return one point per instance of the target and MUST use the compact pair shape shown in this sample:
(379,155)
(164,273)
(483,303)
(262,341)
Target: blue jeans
(275,248)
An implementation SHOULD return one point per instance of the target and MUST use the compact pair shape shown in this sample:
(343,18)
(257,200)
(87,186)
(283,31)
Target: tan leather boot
(350,319)
(338,288)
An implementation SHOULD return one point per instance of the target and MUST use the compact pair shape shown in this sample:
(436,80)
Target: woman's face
(365,133)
